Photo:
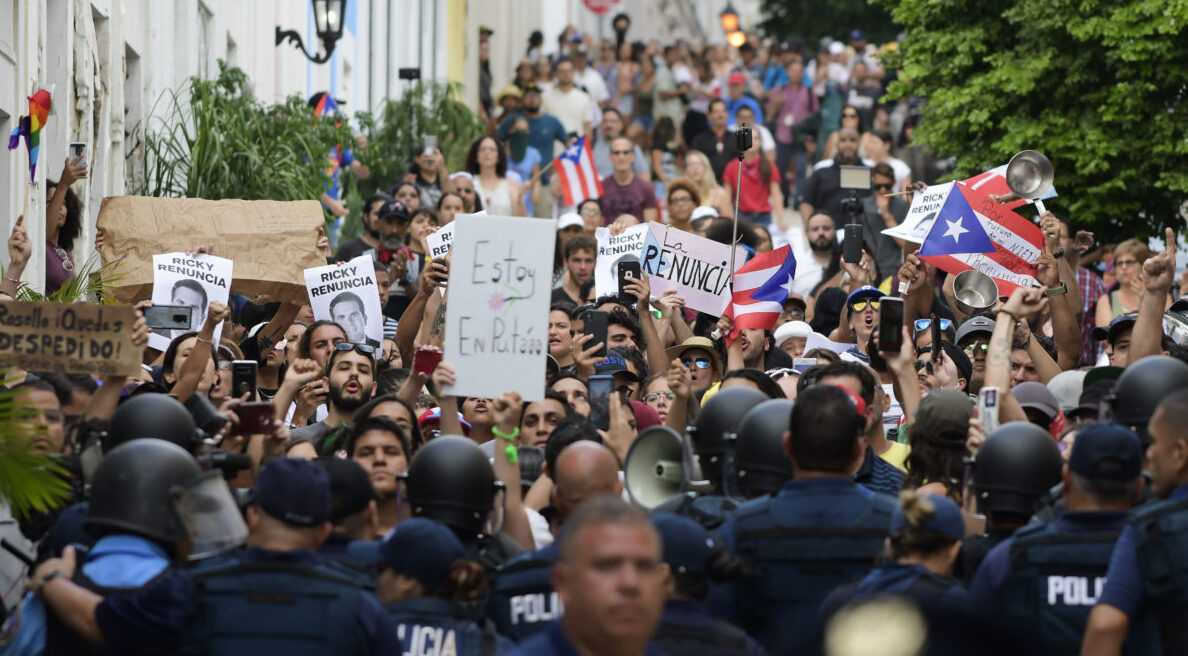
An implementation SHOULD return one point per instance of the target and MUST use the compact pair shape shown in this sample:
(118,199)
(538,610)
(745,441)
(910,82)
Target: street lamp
(736,39)
(328,16)
(729,18)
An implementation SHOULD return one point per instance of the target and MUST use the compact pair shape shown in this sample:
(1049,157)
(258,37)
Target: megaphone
(658,467)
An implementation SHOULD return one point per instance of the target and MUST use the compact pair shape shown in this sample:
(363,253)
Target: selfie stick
(741,136)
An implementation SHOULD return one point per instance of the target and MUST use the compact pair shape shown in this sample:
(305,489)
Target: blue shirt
(115,561)
(878,475)
(532,157)
(690,612)
(554,642)
(733,105)
(542,132)
(1124,582)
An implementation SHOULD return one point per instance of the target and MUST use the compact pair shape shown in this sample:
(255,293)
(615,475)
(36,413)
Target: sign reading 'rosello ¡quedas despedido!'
(77,338)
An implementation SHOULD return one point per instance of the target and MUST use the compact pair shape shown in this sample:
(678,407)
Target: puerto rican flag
(973,232)
(760,288)
(575,168)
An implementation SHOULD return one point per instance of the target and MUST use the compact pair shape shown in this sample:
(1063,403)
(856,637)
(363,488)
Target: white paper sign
(921,215)
(198,281)
(496,333)
(698,268)
(817,340)
(347,294)
(440,241)
(626,246)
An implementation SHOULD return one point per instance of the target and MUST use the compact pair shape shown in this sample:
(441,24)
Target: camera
(742,140)
(855,179)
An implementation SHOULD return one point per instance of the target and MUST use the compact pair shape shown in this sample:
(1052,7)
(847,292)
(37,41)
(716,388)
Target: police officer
(352,507)
(820,530)
(523,601)
(424,572)
(1147,582)
(1047,577)
(1141,387)
(1016,466)
(686,627)
(278,596)
(760,463)
(141,537)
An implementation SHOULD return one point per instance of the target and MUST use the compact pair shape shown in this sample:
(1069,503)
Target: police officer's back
(820,531)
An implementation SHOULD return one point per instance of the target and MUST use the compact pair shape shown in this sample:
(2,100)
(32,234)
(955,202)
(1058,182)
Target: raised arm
(1158,273)
(1022,303)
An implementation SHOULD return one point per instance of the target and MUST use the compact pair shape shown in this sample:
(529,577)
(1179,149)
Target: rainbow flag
(30,128)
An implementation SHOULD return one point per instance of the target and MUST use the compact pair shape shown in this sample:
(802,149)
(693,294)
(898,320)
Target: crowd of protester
(824,482)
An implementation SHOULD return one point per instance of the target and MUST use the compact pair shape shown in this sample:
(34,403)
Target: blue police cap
(946,518)
(294,491)
(419,548)
(687,545)
(1106,450)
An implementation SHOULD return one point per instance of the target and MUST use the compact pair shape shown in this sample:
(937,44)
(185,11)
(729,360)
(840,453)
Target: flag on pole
(575,169)
(760,288)
(971,231)
(30,126)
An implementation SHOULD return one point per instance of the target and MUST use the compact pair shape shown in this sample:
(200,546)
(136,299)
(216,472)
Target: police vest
(522,601)
(1162,531)
(709,510)
(716,639)
(1053,582)
(61,640)
(435,627)
(272,607)
(793,568)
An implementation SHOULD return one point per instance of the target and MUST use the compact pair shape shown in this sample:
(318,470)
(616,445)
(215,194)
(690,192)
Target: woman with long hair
(487,163)
(936,462)
(850,118)
(683,198)
(63,224)
(698,169)
(449,206)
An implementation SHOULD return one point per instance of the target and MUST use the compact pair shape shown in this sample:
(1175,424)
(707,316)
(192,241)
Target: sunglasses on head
(860,306)
(361,349)
(702,363)
(925,324)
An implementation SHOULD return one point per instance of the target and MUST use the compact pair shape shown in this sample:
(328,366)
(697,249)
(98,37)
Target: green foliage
(93,282)
(1099,87)
(29,482)
(812,20)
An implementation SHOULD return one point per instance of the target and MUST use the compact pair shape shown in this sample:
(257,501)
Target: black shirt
(719,150)
(352,249)
(823,191)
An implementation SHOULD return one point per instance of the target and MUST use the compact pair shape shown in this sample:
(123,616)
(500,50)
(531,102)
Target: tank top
(496,201)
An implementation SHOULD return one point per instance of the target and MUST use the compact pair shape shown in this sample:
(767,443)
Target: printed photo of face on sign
(192,282)
(347,294)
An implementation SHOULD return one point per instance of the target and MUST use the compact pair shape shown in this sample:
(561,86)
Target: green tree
(1099,87)
(811,20)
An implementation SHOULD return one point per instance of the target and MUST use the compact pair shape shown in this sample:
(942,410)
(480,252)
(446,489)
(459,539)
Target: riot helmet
(1015,467)
(717,425)
(131,492)
(1141,387)
(760,461)
(450,480)
(152,415)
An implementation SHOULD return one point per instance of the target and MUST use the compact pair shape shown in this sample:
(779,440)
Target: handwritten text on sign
(698,268)
(498,307)
(78,338)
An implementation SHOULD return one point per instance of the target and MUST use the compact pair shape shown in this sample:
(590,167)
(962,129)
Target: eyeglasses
(849,115)
(973,348)
(592,211)
(621,152)
(1125,263)
(883,186)
(488,149)
(924,324)
(794,313)
(673,200)
(926,365)
(361,349)
(652,397)
(860,306)
(702,363)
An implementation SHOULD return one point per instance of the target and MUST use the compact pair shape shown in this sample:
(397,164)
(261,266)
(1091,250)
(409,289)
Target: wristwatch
(1057,291)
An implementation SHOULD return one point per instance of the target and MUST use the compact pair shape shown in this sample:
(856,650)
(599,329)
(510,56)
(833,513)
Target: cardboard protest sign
(698,268)
(196,282)
(496,332)
(438,243)
(69,338)
(346,293)
(623,247)
(271,242)
(921,214)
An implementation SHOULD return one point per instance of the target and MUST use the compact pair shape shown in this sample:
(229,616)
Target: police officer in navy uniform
(686,627)
(523,601)
(821,530)
(760,463)
(1046,578)
(277,597)
(1147,583)
(352,507)
(424,572)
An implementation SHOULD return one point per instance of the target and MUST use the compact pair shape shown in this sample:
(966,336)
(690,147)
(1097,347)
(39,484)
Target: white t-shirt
(571,107)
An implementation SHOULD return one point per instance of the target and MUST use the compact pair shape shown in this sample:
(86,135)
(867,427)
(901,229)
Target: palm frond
(29,482)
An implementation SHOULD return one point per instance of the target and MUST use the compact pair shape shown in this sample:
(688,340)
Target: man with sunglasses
(973,336)
(624,192)
(350,375)
(880,211)
(922,332)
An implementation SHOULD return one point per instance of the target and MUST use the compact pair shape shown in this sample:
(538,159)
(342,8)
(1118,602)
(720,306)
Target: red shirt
(755,195)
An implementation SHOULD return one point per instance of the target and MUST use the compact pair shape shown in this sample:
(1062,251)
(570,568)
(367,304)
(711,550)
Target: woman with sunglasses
(698,356)
(850,118)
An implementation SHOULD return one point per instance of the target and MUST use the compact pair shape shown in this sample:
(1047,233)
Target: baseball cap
(736,77)
(702,212)
(350,487)
(1036,395)
(293,490)
(959,358)
(1117,325)
(837,48)
(569,220)
(419,548)
(1179,306)
(946,518)
(1066,387)
(688,547)
(974,326)
(944,414)
(857,35)
(790,330)
(865,291)
(796,299)
(1092,396)
(393,209)
(1106,450)
(1102,373)
(612,365)
(645,415)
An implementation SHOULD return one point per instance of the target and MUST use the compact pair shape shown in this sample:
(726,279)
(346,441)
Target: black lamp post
(328,17)
(729,18)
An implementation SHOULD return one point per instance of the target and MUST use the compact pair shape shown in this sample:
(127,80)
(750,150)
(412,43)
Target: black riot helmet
(1141,387)
(760,461)
(152,415)
(1016,466)
(717,425)
(132,490)
(451,481)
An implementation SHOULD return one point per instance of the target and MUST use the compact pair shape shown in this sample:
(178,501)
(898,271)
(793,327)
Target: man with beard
(824,250)
(371,238)
(350,373)
(579,266)
(824,190)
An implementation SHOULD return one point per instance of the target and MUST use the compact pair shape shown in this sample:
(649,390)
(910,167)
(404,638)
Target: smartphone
(852,246)
(628,271)
(595,326)
(426,360)
(430,144)
(254,417)
(891,324)
(801,364)
(170,317)
(243,377)
(934,327)
(988,409)
(78,149)
(602,387)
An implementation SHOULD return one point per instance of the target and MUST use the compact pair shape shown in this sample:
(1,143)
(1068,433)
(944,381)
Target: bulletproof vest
(793,568)
(716,639)
(1054,580)
(289,608)
(522,602)
(1162,531)
(61,640)
(436,627)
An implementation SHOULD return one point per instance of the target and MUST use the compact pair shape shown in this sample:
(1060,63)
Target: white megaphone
(659,466)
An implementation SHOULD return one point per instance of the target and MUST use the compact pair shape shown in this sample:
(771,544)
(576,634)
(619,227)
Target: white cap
(1066,386)
(569,220)
(837,48)
(702,212)
(791,329)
